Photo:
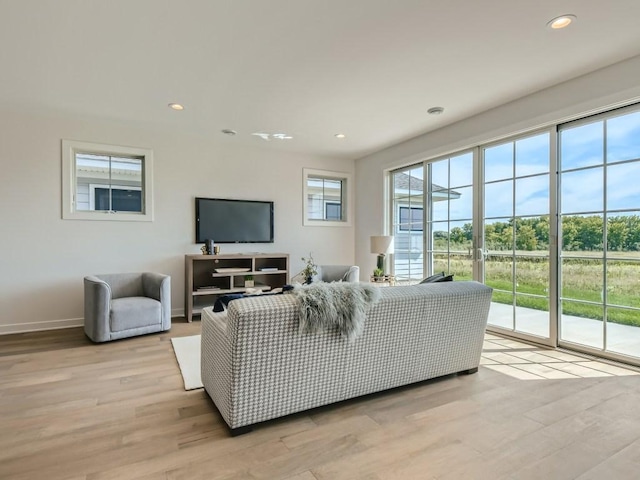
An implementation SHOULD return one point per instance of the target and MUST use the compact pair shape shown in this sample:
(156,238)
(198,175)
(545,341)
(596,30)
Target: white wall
(610,87)
(44,258)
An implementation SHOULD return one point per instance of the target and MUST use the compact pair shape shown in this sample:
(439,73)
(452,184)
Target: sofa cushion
(134,312)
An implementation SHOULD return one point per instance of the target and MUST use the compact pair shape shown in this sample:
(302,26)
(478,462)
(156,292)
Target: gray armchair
(124,305)
(337,273)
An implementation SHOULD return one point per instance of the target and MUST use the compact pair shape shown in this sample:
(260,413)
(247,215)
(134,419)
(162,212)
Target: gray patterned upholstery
(256,366)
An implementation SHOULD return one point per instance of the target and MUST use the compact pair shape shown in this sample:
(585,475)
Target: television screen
(234,221)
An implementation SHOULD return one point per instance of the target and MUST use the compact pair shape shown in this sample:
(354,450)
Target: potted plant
(378,275)
(310,269)
(248,281)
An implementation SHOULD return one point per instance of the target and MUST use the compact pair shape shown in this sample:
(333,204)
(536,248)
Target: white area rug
(187,350)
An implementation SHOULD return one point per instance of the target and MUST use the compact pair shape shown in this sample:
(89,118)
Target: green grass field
(582,282)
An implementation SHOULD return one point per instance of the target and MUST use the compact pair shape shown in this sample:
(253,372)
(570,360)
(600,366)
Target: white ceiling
(308,68)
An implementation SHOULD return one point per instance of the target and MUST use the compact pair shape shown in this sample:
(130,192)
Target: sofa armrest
(216,360)
(97,305)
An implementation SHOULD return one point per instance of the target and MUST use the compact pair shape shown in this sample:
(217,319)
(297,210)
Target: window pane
(582,191)
(622,192)
(498,235)
(440,236)
(498,162)
(324,199)
(501,313)
(582,323)
(582,146)
(333,211)
(462,170)
(498,272)
(532,275)
(498,201)
(583,235)
(532,315)
(532,155)
(623,282)
(108,183)
(582,279)
(460,266)
(415,181)
(439,207)
(439,175)
(623,137)
(532,195)
(623,331)
(623,233)
(461,203)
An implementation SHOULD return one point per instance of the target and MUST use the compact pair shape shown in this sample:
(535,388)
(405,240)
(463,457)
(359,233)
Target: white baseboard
(41,326)
(57,324)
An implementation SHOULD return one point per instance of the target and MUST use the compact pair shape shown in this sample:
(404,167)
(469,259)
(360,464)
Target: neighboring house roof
(403,181)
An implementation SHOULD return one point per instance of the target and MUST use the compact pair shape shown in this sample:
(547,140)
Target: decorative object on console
(381,245)
(210,246)
(383,280)
(248,281)
(309,270)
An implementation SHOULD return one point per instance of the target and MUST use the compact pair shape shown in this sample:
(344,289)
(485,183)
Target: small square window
(106,182)
(326,198)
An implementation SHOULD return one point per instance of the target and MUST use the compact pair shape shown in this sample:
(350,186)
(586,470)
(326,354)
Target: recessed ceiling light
(228,131)
(281,136)
(435,110)
(176,106)
(340,135)
(561,21)
(264,136)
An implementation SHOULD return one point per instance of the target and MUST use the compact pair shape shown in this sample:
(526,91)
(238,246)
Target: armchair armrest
(97,304)
(158,287)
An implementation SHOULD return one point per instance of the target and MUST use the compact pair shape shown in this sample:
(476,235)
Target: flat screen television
(234,221)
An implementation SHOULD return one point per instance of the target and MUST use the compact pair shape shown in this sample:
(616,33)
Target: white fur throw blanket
(341,305)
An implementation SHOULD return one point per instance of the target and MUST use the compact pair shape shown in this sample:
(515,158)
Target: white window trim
(347,197)
(69,150)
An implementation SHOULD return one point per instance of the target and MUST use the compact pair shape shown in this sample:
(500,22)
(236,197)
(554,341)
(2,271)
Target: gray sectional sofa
(256,366)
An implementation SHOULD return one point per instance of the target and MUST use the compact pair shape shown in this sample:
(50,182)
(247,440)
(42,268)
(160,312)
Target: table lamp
(381,245)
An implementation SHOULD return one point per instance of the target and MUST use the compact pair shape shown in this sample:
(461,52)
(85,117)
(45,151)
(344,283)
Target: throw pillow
(434,278)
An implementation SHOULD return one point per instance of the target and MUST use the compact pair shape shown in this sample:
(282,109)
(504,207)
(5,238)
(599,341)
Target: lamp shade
(381,244)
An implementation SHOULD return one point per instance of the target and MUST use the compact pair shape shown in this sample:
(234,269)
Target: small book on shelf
(208,287)
(269,269)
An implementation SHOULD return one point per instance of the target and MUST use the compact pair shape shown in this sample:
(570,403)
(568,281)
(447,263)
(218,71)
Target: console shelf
(203,284)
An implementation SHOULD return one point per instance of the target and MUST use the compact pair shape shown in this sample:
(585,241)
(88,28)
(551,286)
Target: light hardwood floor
(73,410)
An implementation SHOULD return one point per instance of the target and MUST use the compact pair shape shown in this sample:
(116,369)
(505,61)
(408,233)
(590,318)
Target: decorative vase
(308,280)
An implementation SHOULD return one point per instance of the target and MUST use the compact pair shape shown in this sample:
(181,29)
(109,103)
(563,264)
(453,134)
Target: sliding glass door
(516,234)
(600,233)
(432,219)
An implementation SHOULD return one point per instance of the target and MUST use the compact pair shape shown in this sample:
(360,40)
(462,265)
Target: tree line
(578,234)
